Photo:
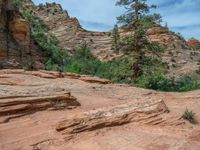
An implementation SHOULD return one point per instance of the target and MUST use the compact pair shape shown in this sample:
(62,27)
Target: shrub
(16,3)
(120,70)
(82,61)
(186,83)
(56,57)
(182,84)
(153,81)
(189,115)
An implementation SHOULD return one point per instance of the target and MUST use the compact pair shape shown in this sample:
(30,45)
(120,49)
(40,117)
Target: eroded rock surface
(178,56)
(17,106)
(115,116)
(71,35)
(18,49)
(100,116)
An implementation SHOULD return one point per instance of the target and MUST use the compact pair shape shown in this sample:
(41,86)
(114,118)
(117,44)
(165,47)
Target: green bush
(162,83)
(82,61)
(151,81)
(189,115)
(16,3)
(186,83)
(120,71)
(56,57)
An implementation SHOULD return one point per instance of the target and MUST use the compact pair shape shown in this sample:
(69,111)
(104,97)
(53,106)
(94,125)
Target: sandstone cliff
(180,58)
(69,32)
(17,49)
(71,35)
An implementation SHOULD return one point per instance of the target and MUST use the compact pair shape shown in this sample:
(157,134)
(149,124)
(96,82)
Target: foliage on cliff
(151,73)
(56,57)
(120,71)
(138,20)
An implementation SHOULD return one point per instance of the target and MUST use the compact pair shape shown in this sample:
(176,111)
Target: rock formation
(194,44)
(71,35)
(166,37)
(115,116)
(69,32)
(17,49)
(49,111)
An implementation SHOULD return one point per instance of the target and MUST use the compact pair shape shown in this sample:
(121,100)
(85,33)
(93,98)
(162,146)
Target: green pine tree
(116,37)
(138,20)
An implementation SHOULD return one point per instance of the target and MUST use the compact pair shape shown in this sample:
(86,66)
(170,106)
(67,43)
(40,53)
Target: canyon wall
(71,35)
(17,49)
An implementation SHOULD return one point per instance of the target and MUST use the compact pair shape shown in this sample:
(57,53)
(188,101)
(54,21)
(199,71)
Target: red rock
(194,43)
(111,116)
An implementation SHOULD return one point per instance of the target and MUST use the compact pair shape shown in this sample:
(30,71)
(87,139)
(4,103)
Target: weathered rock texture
(17,106)
(53,75)
(115,116)
(32,100)
(166,37)
(69,32)
(179,57)
(17,49)
(194,43)
(182,62)
(71,35)
(110,117)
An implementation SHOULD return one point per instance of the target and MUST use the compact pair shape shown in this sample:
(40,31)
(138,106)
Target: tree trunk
(136,40)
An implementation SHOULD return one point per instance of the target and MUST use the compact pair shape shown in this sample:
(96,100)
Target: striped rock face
(71,35)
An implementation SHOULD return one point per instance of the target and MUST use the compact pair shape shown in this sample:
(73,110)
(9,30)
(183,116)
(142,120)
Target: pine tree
(116,36)
(138,19)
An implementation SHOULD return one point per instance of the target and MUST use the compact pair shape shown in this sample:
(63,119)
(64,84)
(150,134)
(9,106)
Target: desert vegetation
(136,68)
(56,57)
(189,115)
(62,85)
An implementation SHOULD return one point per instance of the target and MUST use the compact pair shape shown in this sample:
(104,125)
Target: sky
(182,16)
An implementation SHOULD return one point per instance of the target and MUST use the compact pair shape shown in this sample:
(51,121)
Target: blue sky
(100,15)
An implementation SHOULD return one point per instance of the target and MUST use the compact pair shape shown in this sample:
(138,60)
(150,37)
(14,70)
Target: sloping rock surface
(52,111)
(115,116)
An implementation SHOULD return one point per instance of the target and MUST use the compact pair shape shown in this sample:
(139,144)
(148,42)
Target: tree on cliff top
(137,18)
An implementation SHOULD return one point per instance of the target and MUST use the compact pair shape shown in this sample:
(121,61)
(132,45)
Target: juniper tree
(116,36)
(137,19)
